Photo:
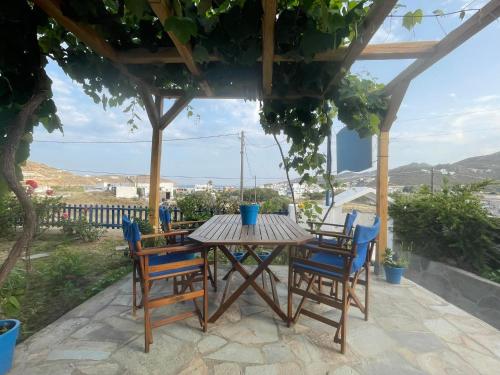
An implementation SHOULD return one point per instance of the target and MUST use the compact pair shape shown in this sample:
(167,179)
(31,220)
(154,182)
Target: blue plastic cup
(8,344)
(249,214)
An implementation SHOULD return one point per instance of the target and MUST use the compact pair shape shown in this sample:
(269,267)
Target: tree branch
(8,171)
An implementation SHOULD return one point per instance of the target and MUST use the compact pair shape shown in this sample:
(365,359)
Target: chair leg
(291,279)
(205,290)
(367,290)
(343,322)
(134,291)
(215,269)
(147,325)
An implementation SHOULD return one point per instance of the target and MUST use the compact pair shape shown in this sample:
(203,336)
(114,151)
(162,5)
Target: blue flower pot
(8,344)
(249,214)
(393,274)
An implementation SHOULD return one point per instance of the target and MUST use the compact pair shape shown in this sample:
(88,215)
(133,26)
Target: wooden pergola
(425,53)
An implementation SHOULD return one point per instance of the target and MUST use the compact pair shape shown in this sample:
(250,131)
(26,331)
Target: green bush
(82,229)
(451,226)
(11,214)
(197,205)
(275,204)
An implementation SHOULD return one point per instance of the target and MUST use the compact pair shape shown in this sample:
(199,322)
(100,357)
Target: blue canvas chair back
(165,217)
(125,224)
(363,235)
(349,221)
(131,232)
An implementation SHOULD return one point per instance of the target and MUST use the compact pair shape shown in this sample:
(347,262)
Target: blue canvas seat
(163,263)
(185,227)
(342,266)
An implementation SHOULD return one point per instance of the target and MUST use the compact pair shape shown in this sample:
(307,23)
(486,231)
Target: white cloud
(486,98)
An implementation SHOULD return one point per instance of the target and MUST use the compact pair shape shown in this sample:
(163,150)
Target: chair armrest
(331,249)
(165,234)
(178,223)
(320,223)
(326,233)
(333,234)
(174,249)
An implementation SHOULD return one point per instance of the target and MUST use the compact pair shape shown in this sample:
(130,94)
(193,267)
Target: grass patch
(53,285)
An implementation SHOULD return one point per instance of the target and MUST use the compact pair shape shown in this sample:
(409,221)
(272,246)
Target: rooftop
(410,331)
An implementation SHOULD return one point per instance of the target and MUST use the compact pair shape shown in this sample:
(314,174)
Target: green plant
(275,204)
(82,229)
(10,293)
(399,260)
(309,211)
(67,267)
(197,205)
(226,203)
(450,226)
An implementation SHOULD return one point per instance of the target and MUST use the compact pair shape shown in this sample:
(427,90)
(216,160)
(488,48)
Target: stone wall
(478,296)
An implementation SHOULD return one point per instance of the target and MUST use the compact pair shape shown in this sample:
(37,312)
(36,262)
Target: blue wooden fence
(108,216)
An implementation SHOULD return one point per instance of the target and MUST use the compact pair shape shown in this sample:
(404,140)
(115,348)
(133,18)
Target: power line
(165,176)
(438,15)
(138,141)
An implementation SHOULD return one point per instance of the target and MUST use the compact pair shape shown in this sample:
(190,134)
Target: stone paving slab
(410,331)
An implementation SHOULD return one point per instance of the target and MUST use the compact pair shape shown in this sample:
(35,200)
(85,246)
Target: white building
(299,189)
(126,192)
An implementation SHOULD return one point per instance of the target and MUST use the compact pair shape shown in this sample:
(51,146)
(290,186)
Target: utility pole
(329,193)
(255,189)
(242,150)
(432,180)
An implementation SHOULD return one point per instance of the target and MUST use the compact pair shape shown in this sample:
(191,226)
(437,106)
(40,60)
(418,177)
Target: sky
(450,112)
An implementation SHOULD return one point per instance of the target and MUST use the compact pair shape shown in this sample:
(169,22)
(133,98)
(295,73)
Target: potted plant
(249,212)
(394,266)
(9,330)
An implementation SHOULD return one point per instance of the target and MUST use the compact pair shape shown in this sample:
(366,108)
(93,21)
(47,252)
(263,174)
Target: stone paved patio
(410,331)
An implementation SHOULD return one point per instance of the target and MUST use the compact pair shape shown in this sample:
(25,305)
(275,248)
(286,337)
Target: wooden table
(275,231)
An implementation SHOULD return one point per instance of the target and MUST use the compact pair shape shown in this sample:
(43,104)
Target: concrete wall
(477,296)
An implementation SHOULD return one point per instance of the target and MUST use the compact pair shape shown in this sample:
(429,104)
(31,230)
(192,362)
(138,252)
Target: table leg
(256,257)
(250,280)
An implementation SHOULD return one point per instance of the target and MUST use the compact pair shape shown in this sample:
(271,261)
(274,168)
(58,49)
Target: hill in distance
(50,176)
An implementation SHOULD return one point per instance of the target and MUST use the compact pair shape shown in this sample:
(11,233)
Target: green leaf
(200,54)
(462,14)
(183,27)
(410,19)
(438,12)
(137,7)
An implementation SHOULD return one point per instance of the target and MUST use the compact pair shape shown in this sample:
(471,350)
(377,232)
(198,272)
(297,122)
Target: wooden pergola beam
(85,33)
(163,12)
(384,51)
(236,93)
(488,13)
(176,108)
(376,15)
(268,21)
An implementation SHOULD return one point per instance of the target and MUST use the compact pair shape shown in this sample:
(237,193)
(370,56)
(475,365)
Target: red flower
(32,183)
(65,215)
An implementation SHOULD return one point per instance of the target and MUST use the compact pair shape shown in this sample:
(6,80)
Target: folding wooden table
(275,231)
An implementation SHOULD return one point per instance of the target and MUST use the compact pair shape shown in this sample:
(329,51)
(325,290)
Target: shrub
(11,214)
(451,226)
(275,204)
(82,229)
(197,205)
(66,269)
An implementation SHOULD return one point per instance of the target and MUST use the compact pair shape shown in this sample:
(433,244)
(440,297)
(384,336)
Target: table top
(269,230)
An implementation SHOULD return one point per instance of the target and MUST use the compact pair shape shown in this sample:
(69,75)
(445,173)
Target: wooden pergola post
(383,170)
(154,176)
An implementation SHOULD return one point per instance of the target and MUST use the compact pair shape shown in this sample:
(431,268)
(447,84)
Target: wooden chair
(164,263)
(334,237)
(342,266)
(188,227)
